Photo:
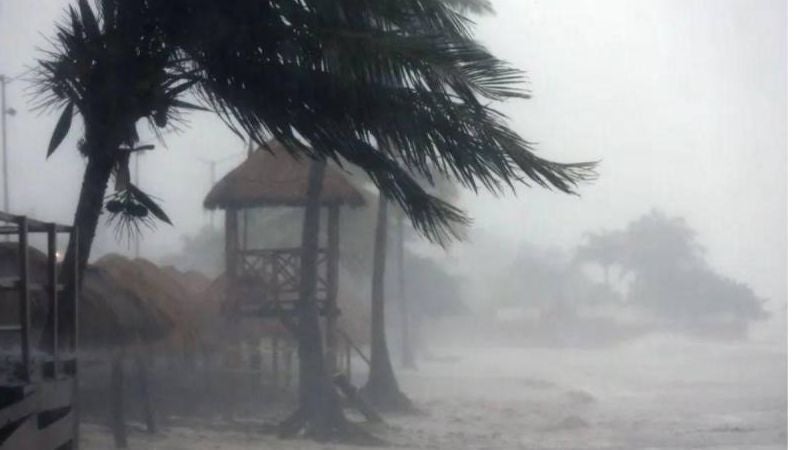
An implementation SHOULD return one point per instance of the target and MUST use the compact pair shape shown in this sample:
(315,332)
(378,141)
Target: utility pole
(136,238)
(5,111)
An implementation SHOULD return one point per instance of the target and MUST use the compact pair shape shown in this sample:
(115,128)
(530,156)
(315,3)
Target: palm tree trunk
(381,389)
(90,205)
(320,407)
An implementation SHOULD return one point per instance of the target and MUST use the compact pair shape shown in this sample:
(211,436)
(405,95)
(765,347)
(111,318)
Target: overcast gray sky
(684,102)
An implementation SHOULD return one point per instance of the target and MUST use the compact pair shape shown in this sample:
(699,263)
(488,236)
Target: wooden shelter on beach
(265,282)
(38,390)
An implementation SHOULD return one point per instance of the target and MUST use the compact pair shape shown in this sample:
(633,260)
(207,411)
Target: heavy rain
(416,224)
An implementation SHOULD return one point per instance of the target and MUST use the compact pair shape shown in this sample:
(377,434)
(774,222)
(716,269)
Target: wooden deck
(39,415)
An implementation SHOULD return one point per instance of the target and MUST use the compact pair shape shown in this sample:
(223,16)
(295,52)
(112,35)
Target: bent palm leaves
(344,79)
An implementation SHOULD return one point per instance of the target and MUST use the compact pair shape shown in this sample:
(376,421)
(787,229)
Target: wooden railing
(38,408)
(268,280)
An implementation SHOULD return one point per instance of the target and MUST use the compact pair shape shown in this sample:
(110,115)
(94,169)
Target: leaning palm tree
(332,79)
(382,389)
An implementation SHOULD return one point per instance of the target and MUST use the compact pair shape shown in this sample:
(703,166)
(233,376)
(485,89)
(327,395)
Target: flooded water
(657,393)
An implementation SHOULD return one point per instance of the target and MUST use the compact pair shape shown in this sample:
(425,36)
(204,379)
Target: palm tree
(382,388)
(320,407)
(334,79)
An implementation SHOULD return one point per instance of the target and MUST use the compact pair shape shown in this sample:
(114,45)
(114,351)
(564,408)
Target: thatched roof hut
(110,314)
(158,290)
(192,281)
(273,177)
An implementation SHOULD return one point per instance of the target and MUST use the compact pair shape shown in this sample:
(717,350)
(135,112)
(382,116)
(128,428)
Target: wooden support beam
(76,297)
(231,241)
(143,365)
(332,277)
(76,422)
(24,298)
(118,403)
(275,359)
(52,289)
(231,256)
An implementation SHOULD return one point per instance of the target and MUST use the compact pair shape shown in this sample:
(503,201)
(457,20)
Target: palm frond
(398,87)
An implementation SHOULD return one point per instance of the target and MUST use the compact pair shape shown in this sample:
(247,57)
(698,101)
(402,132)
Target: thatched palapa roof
(159,290)
(111,315)
(273,177)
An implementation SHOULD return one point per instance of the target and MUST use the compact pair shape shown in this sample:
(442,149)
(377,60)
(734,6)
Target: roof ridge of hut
(274,176)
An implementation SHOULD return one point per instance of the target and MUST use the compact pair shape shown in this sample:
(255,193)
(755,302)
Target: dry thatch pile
(192,281)
(218,323)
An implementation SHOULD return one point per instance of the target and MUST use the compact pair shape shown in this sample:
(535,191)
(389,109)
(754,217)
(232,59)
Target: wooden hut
(264,282)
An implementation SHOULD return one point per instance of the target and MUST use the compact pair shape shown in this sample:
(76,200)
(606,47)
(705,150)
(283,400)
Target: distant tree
(672,282)
(433,292)
(699,302)
(404,238)
(605,249)
(656,243)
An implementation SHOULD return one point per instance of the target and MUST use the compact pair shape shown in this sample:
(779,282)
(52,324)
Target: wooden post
(117,402)
(24,298)
(254,361)
(145,394)
(231,254)
(245,234)
(349,362)
(231,240)
(76,300)
(52,289)
(332,276)
(275,359)
(287,354)
(75,310)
